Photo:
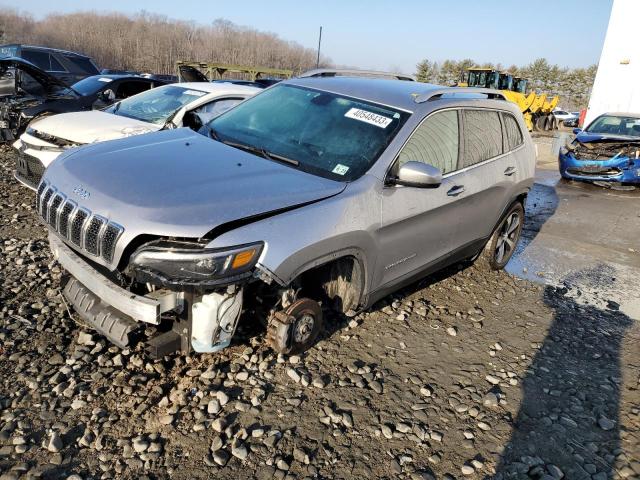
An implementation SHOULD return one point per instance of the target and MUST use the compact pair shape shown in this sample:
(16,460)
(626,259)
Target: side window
(482,136)
(39,59)
(512,132)
(83,64)
(56,66)
(128,89)
(434,142)
(215,108)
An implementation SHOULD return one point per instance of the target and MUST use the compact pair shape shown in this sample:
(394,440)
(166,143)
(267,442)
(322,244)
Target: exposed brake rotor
(295,328)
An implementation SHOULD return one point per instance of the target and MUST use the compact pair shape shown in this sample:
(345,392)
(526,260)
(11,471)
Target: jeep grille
(94,234)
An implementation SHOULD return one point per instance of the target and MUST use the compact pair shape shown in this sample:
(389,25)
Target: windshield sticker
(340,169)
(105,80)
(195,93)
(368,117)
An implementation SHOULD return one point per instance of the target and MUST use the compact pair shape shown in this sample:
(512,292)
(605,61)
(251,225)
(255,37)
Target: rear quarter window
(513,134)
(482,136)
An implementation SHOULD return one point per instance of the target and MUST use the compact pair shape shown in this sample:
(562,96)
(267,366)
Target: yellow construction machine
(536,109)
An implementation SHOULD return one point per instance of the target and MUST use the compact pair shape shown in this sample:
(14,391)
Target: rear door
(485,175)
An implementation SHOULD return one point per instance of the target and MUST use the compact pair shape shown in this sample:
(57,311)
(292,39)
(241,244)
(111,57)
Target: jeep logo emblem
(81,192)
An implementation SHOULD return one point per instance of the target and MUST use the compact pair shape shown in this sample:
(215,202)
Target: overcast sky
(379,34)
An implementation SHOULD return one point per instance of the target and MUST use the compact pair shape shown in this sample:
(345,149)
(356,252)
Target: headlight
(190,264)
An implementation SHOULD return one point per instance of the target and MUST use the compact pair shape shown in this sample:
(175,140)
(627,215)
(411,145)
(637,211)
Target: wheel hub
(295,328)
(507,239)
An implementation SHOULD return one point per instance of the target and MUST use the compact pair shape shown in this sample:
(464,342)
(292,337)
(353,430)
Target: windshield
(319,132)
(157,105)
(91,85)
(615,125)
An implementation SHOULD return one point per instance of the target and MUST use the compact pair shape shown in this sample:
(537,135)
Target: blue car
(608,150)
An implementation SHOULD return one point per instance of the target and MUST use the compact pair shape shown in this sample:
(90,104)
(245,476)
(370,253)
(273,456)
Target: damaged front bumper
(34,156)
(617,169)
(203,323)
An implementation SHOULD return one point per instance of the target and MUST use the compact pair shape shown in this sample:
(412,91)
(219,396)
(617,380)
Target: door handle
(510,171)
(456,190)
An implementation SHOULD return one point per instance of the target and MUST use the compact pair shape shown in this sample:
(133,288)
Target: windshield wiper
(116,107)
(256,150)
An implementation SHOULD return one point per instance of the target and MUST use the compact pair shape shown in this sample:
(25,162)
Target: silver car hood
(178,183)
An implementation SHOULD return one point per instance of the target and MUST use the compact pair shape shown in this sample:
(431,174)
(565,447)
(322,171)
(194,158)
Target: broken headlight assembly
(175,263)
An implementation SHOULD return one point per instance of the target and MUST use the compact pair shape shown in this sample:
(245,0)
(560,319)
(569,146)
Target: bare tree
(153,43)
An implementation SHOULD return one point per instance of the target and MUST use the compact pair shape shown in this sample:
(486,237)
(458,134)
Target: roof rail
(336,72)
(438,93)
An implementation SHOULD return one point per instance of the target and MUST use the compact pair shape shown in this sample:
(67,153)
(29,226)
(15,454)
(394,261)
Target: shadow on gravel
(568,420)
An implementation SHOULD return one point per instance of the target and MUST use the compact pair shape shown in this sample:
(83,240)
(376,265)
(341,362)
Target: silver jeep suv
(317,193)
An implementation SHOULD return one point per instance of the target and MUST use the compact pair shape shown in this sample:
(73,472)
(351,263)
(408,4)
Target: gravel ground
(470,374)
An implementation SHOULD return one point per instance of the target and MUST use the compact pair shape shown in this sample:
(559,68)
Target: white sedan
(169,106)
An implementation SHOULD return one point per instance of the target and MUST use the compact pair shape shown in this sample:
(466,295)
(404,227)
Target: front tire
(504,239)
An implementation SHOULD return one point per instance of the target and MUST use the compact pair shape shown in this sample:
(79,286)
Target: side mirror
(418,174)
(576,131)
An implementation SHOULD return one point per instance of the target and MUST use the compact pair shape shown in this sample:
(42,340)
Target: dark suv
(67,66)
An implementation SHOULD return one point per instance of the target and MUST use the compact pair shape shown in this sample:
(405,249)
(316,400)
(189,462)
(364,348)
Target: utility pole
(319,42)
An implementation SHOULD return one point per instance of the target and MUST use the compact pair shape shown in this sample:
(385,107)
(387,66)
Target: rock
(239,450)
(140,445)
(166,419)
(85,338)
(490,400)
(216,443)
(484,426)
(55,444)
(219,424)
(606,424)
(492,380)
(467,470)
(293,374)
(376,386)
(222,397)
(213,406)
(221,457)
(453,331)
(299,455)
(426,391)
(555,471)
(387,432)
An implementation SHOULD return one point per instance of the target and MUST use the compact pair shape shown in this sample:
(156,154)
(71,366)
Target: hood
(586,137)
(179,183)
(191,74)
(92,126)
(48,81)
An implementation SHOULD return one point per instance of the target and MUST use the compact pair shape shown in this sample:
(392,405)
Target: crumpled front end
(601,162)
(36,151)
(10,119)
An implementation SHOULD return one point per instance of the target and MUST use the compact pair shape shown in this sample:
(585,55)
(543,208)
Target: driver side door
(419,225)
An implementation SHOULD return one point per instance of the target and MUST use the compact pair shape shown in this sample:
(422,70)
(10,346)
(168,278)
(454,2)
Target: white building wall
(617,84)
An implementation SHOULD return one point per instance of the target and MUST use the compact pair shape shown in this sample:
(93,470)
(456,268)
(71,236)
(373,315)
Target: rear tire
(504,240)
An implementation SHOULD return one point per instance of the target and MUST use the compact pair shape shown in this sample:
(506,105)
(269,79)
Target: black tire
(504,240)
